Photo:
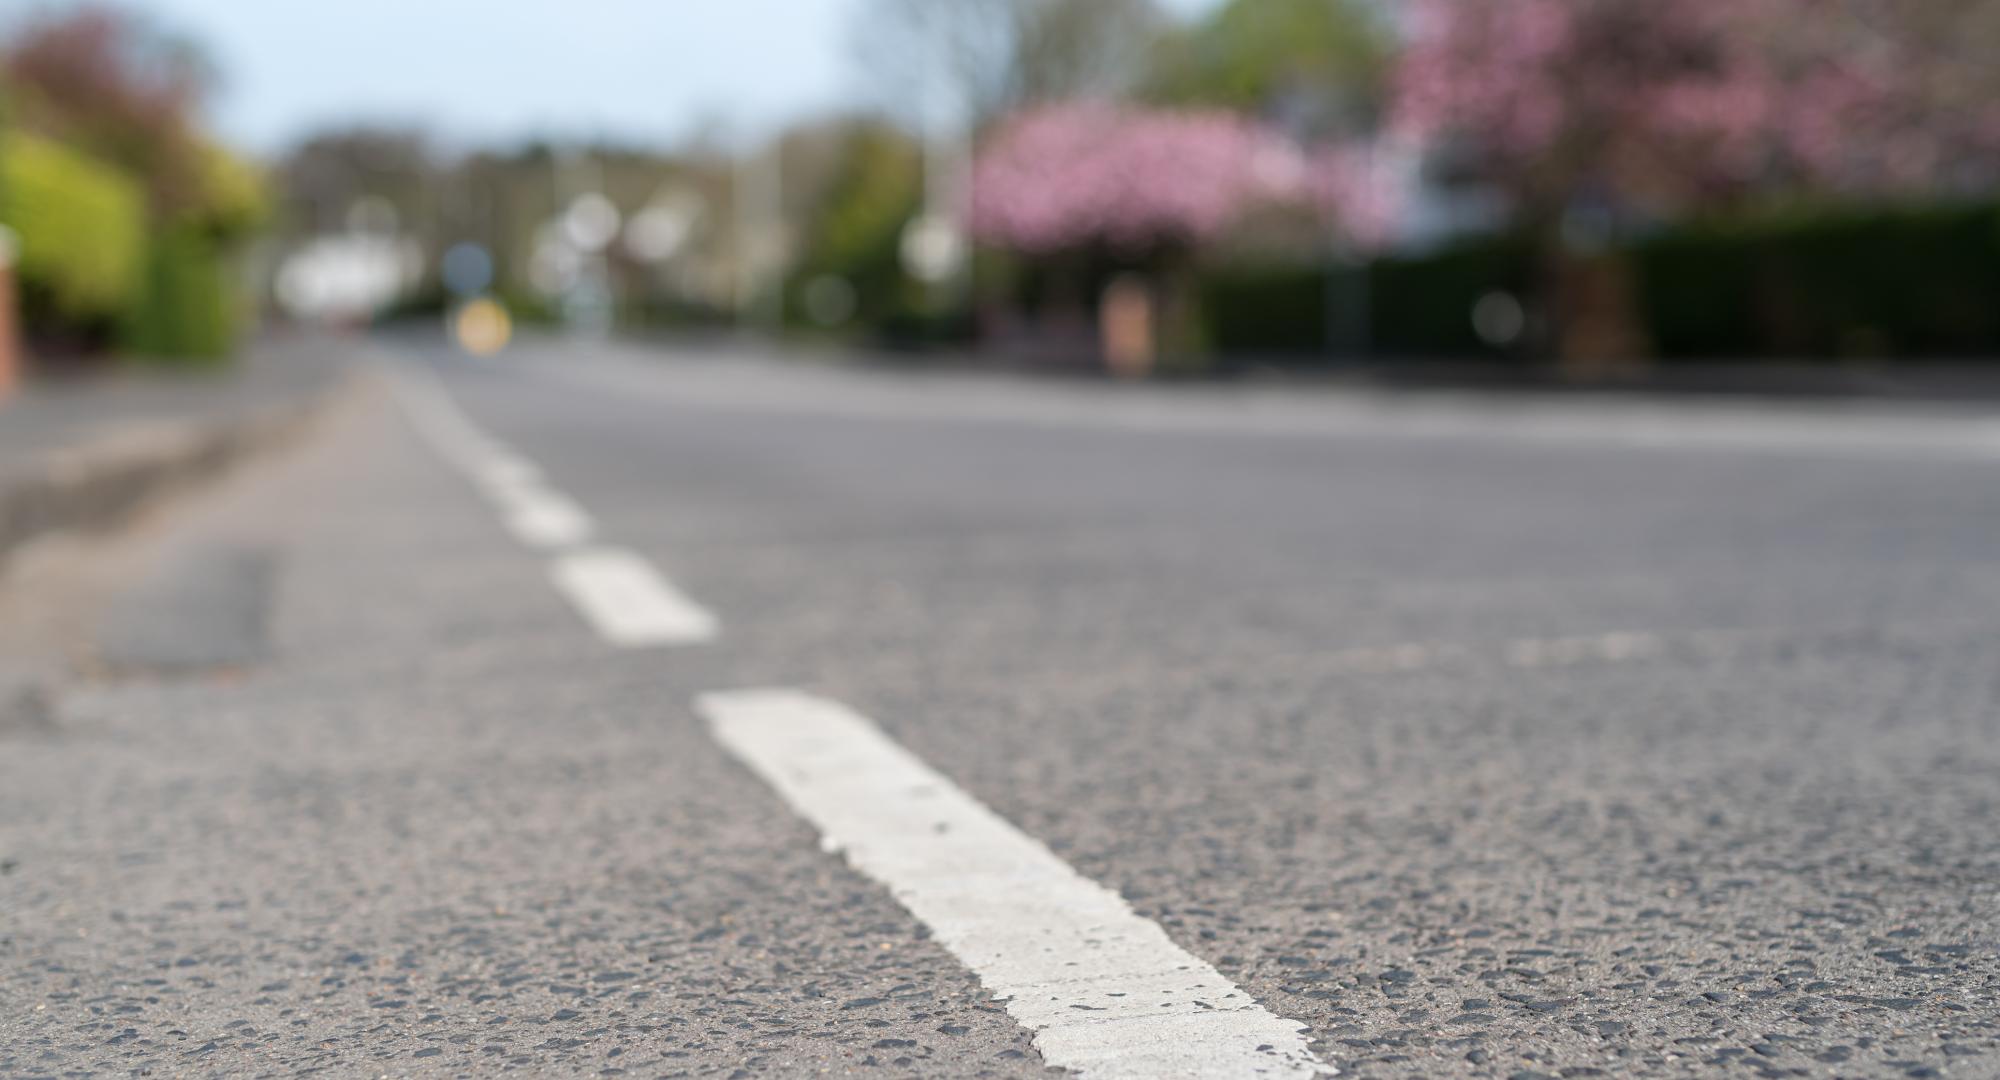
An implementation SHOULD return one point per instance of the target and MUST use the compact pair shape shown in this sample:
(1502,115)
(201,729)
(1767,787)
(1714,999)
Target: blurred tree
(1067,49)
(854,219)
(1668,105)
(123,91)
(1087,188)
(235,196)
(989,57)
(1133,179)
(82,227)
(326,176)
(1884,96)
(119,87)
(1586,113)
(1313,67)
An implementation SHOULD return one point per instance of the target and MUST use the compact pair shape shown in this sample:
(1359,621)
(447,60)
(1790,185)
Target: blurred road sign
(467,269)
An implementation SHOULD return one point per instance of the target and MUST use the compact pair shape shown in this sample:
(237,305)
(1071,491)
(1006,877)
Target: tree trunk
(1595,331)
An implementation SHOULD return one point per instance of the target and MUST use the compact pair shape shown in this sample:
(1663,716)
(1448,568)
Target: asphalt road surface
(599,711)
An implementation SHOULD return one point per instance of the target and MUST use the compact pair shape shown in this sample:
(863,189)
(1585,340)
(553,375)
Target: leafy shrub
(188,310)
(1812,283)
(1422,306)
(1401,306)
(82,231)
(1267,310)
(1913,281)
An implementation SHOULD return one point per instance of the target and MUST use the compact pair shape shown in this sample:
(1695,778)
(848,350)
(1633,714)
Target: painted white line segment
(1105,992)
(629,603)
(548,521)
(500,471)
(541,518)
(438,418)
(535,513)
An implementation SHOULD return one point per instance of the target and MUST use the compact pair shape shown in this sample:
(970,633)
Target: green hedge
(1423,306)
(188,311)
(1891,282)
(1268,310)
(1888,282)
(94,272)
(1390,307)
(82,231)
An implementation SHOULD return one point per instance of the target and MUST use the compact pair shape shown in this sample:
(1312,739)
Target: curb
(100,483)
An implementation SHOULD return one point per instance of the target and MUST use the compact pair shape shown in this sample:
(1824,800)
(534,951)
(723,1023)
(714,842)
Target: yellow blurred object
(482,327)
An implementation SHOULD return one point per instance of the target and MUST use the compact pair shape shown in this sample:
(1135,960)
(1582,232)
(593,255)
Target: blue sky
(479,70)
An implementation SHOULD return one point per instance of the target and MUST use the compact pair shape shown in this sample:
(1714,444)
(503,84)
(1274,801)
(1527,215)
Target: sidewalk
(82,454)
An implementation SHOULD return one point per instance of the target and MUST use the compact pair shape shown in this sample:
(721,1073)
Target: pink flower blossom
(1664,100)
(1069,176)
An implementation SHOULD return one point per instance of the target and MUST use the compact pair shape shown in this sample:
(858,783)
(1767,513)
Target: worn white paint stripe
(540,517)
(629,603)
(440,421)
(549,521)
(1104,991)
(501,471)
(537,515)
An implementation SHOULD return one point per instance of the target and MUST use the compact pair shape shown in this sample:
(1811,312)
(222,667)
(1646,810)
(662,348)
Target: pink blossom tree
(1665,106)
(1138,181)
(1668,102)
(1151,187)
(1556,101)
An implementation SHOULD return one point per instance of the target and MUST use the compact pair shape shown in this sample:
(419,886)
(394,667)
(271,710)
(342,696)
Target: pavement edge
(99,483)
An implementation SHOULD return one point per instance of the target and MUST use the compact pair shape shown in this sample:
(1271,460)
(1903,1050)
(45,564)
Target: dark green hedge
(1423,306)
(1895,282)
(1275,310)
(1902,282)
(1390,307)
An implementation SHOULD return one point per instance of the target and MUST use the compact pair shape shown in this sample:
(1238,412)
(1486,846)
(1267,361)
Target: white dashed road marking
(1105,992)
(628,602)
(542,518)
